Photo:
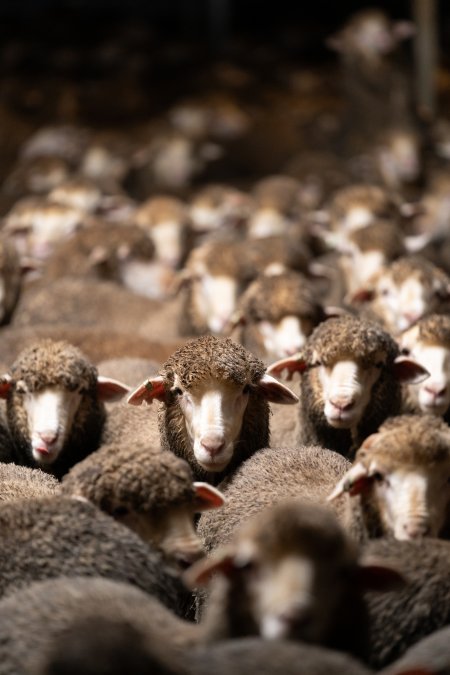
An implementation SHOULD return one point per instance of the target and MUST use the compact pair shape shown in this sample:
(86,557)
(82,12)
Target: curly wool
(383,235)
(353,338)
(272,297)
(419,268)
(210,356)
(434,330)
(47,363)
(142,479)
(370,197)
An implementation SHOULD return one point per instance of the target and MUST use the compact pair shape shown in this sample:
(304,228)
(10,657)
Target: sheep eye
(20,388)
(248,566)
(405,351)
(378,477)
(246,389)
(385,291)
(177,391)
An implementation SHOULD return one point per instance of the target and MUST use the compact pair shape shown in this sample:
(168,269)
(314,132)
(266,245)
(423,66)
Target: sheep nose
(417,530)
(342,403)
(212,444)
(411,317)
(435,390)
(48,437)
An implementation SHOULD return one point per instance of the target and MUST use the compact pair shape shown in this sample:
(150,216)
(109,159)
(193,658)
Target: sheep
(218,207)
(428,342)
(350,382)
(54,406)
(271,475)
(431,654)
(401,294)
(61,536)
(215,413)
(78,192)
(60,603)
(21,482)
(131,370)
(277,204)
(398,484)
(276,314)
(290,572)
(150,491)
(399,620)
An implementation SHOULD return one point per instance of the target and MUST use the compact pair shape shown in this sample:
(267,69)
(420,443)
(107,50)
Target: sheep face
(404,475)
(267,222)
(433,395)
(214,299)
(284,337)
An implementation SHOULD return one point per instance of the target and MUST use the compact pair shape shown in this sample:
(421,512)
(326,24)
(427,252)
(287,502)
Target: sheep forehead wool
(380,236)
(271,297)
(417,440)
(141,478)
(299,527)
(220,258)
(47,363)
(369,196)
(434,330)
(211,357)
(158,209)
(347,336)
(417,267)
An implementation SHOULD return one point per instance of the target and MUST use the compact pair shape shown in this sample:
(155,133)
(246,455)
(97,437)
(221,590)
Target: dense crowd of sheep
(159,511)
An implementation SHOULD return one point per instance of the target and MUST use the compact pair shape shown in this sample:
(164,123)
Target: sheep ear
(5,385)
(363,295)
(201,572)
(275,392)
(408,371)
(207,497)
(110,390)
(377,575)
(292,364)
(355,481)
(148,391)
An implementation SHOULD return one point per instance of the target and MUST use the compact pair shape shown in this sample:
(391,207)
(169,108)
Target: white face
(175,163)
(266,223)
(357,217)
(213,413)
(215,299)
(151,279)
(167,238)
(360,266)
(432,395)
(403,305)
(50,413)
(413,503)
(172,531)
(283,338)
(346,390)
(290,597)
(50,226)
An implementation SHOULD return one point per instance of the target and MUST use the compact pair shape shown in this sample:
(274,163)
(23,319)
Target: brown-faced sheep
(404,292)
(399,620)
(276,314)
(398,484)
(59,603)
(269,476)
(215,413)
(428,342)
(150,491)
(54,406)
(290,572)
(21,482)
(350,382)
(59,536)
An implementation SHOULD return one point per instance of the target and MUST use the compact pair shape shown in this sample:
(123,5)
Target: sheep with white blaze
(398,485)
(428,342)
(55,405)
(351,374)
(215,411)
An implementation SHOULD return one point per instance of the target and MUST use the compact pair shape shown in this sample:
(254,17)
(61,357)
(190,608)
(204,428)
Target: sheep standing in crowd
(351,374)
(150,491)
(428,342)
(291,573)
(215,411)
(403,293)
(276,314)
(307,473)
(398,485)
(55,406)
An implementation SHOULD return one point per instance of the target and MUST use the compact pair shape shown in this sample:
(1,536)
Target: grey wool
(56,536)
(23,482)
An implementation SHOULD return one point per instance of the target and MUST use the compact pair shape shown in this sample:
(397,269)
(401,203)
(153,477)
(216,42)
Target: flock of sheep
(169,503)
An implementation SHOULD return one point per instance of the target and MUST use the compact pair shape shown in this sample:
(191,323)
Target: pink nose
(342,404)
(213,444)
(48,436)
(416,530)
(435,390)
